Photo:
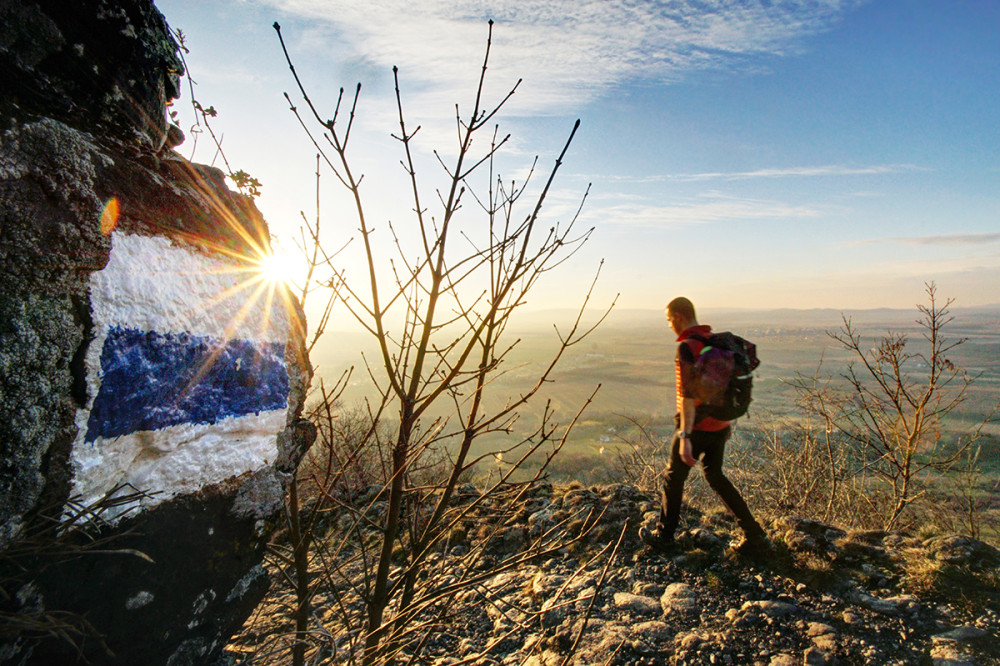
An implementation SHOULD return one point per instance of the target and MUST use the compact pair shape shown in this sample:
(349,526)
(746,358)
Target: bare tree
(895,402)
(966,506)
(433,372)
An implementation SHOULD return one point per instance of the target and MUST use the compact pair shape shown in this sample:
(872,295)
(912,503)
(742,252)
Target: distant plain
(630,357)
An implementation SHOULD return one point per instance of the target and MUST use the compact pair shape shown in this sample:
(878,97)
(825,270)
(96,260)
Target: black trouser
(711,447)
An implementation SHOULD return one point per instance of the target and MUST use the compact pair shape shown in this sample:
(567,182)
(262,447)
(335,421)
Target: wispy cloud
(941,240)
(789,172)
(716,209)
(570,52)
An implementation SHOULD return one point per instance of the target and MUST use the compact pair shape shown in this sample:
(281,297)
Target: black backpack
(723,375)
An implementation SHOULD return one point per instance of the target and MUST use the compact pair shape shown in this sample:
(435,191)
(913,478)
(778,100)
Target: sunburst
(277,266)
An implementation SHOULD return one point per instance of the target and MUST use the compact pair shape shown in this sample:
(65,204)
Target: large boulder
(151,381)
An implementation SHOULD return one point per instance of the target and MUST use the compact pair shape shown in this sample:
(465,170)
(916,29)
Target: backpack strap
(705,344)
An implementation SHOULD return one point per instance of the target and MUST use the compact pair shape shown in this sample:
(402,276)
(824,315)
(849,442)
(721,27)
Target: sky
(771,154)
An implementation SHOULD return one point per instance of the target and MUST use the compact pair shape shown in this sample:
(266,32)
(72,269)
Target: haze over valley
(631,356)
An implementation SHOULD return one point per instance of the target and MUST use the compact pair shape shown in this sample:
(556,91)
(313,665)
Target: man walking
(699,436)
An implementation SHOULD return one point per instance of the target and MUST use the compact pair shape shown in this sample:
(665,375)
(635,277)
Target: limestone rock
(101,65)
(960,634)
(783,659)
(813,656)
(772,609)
(678,598)
(138,403)
(635,604)
(824,636)
(963,551)
(889,606)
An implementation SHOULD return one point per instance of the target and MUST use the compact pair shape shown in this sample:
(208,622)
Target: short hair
(683,307)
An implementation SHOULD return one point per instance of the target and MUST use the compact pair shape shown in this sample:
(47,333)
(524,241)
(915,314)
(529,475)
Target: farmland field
(630,358)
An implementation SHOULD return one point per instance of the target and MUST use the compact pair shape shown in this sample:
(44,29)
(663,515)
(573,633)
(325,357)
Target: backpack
(723,375)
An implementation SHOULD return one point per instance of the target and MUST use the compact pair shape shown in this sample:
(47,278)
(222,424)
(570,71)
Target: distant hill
(830,318)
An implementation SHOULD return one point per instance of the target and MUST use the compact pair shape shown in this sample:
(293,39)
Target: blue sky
(820,153)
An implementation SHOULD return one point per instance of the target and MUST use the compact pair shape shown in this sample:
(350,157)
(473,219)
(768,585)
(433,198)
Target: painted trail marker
(187,378)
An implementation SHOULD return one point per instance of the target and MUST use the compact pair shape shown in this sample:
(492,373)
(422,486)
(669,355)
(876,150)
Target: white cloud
(957,239)
(715,209)
(867,286)
(788,172)
(570,52)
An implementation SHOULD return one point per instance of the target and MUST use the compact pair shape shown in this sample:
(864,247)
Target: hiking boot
(656,540)
(755,546)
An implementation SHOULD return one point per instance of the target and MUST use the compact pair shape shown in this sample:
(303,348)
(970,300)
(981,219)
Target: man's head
(680,314)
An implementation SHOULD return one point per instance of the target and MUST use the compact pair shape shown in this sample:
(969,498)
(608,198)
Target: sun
(277,267)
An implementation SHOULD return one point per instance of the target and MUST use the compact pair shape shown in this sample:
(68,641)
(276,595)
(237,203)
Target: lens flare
(109,216)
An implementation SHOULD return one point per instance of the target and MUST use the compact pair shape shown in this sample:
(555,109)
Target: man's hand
(688,408)
(686,456)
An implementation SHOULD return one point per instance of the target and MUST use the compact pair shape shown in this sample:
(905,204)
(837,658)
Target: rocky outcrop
(103,66)
(822,596)
(150,382)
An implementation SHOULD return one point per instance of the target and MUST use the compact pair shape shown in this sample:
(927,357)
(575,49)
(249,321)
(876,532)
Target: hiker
(698,436)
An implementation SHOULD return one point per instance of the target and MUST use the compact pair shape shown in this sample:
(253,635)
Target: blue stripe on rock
(153,380)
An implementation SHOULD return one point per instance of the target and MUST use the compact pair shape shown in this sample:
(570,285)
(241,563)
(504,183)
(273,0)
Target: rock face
(151,382)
